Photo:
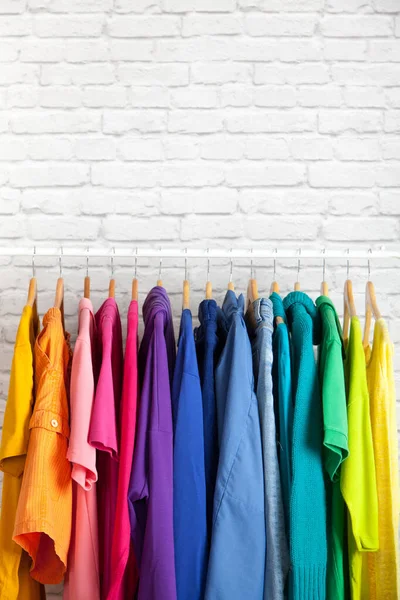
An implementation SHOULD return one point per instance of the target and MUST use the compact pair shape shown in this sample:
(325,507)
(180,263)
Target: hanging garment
(151,483)
(277,554)
(208,350)
(308,543)
(104,434)
(335,448)
(237,557)
(190,519)
(384,566)
(15,580)
(282,392)
(43,519)
(82,577)
(357,478)
(123,563)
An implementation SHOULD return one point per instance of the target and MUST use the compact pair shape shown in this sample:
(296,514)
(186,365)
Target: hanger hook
(33,262)
(160,266)
(369,265)
(231,268)
(60,261)
(136,259)
(323,264)
(251,265)
(87,261)
(298,264)
(112,262)
(186,263)
(208,264)
(275,252)
(348,263)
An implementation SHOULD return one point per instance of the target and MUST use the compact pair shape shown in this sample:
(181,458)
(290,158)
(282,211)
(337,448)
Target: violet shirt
(151,483)
(103,434)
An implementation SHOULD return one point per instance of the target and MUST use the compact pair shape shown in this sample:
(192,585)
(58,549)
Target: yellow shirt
(15,581)
(383,566)
(358,482)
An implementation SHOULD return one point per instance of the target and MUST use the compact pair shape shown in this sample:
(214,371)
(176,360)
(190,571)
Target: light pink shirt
(123,563)
(82,578)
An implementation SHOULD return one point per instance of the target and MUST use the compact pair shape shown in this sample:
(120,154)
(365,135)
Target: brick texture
(198,122)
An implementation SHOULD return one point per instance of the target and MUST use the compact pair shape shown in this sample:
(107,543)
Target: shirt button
(54,422)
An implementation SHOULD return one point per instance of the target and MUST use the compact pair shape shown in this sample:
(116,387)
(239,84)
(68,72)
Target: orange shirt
(43,519)
(15,581)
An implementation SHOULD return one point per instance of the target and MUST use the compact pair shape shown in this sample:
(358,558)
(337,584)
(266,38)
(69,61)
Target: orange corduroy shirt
(43,519)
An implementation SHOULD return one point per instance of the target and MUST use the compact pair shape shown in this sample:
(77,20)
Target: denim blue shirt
(237,555)
(190,523)
(277,555)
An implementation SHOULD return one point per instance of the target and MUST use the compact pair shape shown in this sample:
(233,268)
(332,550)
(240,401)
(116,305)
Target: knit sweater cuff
(308,582)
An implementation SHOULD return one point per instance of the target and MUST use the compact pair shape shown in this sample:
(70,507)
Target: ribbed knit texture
(308,543)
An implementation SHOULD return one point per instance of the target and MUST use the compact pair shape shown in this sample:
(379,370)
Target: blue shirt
(237,555)
(190,523)
(277,555)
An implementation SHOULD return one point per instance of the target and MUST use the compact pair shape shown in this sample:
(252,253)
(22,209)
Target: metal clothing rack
(205,253)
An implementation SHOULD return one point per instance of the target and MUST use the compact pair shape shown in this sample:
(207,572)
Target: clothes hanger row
(371,306)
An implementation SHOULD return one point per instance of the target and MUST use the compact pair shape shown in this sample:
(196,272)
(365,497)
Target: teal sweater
(308,538)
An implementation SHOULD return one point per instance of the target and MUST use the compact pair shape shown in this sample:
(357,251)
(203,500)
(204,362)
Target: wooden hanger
(186,289)
(32,290)
(371,309)
(111,285)
(59,297)
(208,283)
(297,283)
(86,284)
(350,310)
(275,289)
(135,283)
(159,280)
(252,295)
(252,289)
(324,285)
(230,283)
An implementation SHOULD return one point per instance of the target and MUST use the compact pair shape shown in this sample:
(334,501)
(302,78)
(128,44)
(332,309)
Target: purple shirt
(151,485)
(103,434)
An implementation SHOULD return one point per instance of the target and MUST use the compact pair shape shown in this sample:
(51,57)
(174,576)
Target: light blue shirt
(238,541)
(277,556)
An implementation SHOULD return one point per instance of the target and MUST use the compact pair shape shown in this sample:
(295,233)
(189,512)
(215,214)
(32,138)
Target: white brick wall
(207,122)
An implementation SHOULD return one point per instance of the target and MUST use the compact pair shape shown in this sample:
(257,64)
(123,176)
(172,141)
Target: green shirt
(335,448)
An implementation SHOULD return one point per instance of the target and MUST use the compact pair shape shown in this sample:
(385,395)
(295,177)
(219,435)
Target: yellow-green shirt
(357,478)
(15,581)
(383,566)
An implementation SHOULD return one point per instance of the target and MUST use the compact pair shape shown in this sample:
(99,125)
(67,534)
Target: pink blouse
(82,577)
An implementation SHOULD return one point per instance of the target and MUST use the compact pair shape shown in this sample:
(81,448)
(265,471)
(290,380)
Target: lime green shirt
(358,479)
(335,448)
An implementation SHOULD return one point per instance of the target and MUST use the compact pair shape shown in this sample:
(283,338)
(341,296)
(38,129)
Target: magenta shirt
(104,431)
(123,563)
